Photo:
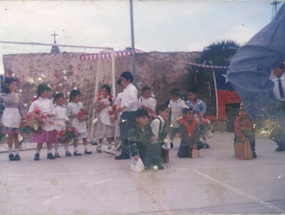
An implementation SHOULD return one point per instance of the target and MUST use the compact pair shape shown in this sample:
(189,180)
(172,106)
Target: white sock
(66,147)
(85,147)
(56,148)
(75,149)
(10,151)
(37,152)
(17,151)
(49,151)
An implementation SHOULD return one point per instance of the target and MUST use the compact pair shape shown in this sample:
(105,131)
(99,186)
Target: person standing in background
(147,101)
(176,105)
(278,91)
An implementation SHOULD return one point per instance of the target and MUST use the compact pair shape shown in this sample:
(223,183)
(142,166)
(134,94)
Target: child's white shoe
(111,151)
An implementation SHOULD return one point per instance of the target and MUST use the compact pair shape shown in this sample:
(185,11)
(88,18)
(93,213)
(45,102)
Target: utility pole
(133,44)
(274,8)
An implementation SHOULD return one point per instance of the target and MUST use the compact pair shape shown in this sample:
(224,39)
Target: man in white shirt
(128,106)
(279,82)
(278,91)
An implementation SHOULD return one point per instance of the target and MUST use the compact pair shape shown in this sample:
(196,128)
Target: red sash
(189,128)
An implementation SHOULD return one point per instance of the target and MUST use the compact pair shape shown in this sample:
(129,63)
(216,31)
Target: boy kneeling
(189,133)
(143,144)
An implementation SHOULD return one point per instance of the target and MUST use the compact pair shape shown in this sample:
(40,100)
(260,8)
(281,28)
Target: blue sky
(164,26)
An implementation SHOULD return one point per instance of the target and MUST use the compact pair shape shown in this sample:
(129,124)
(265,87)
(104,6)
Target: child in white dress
(13,113)
(46,133)
(78,116)
(105,125)
(60,121)
(116,118)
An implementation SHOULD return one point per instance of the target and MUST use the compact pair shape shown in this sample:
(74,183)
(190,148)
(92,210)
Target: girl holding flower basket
(105,123)
(78,116)
(42,110)
(12,115)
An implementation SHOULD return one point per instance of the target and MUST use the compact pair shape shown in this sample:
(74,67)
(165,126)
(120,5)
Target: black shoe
(57,155)
(279,149)
(254,155)
(11,157)
(17,158)
(37,157)
(207,146)
(50,156)
(94,143)
(76,153)
(88,152)
(122,157)
(99,149)
(68,154)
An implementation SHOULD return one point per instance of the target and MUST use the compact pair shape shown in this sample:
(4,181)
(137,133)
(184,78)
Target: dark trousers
(126,121)
(143,153)
(183,151)
(279,139)
(153,154)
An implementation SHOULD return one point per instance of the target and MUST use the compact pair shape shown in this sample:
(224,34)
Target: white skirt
(11,118)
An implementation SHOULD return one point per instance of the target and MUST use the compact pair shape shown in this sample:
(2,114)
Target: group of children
(52,115)
(150,131)
(148,136)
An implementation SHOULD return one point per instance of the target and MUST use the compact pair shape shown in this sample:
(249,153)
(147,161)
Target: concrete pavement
(215,183)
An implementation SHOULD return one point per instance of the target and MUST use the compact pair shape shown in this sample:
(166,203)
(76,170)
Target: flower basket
(32,124)
(82,115)
(34,120)
(67,135)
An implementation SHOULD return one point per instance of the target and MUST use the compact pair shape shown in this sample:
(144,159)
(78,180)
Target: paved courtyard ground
(215,183)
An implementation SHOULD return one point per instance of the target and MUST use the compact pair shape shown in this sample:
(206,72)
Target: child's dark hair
(186,110)
(73,93)
(119,82)
(108,88)
(141,112)
(56,96)
(41,89)
(145,88)
(175,92)
(193,90)
(127,75)
(7,83)
(281,66)
(161,108)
